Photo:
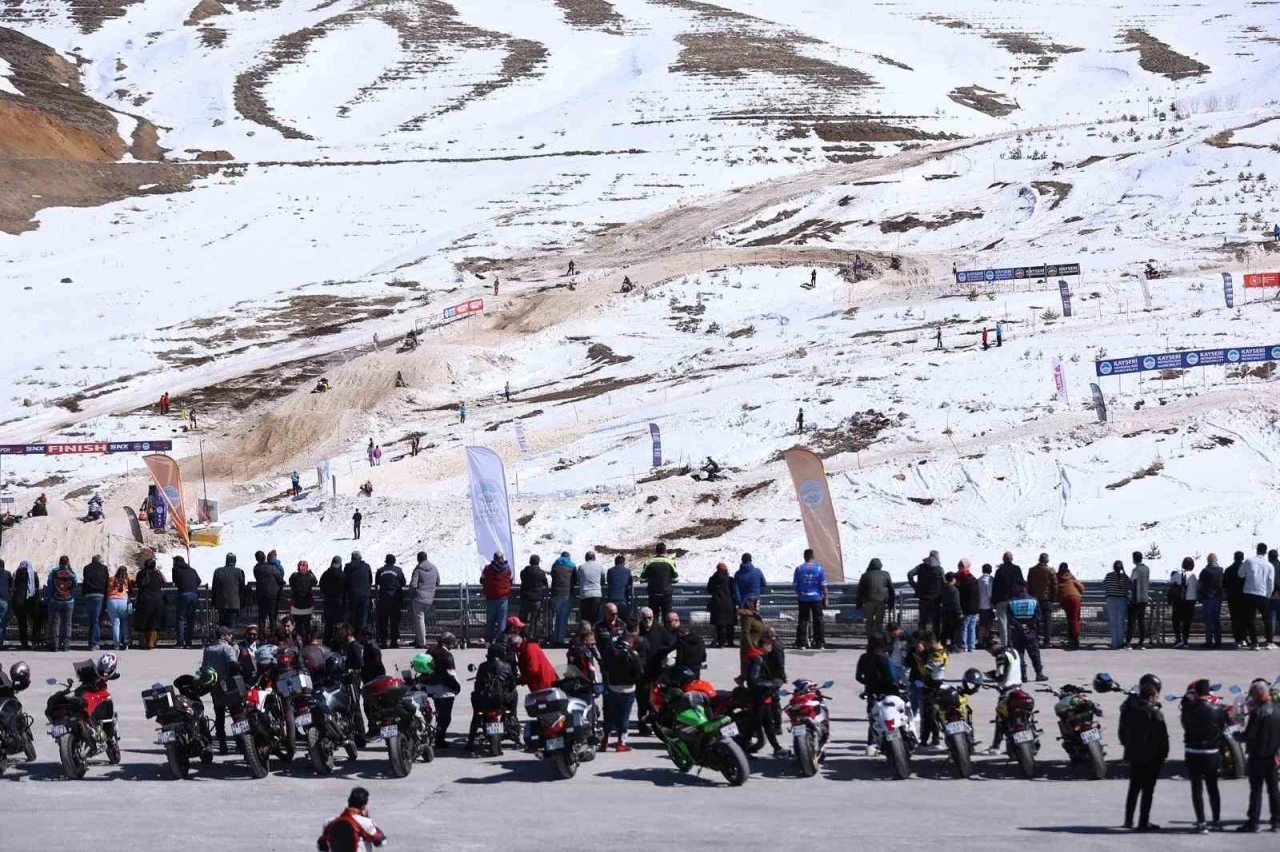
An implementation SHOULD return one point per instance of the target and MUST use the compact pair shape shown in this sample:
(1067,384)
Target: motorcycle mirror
(471,667)
(1235,690)
(1171,697)
(1214,687)
(52,681)
(827,684)
(157,685)
(783,693)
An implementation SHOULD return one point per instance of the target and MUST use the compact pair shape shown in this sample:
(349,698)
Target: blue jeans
(561,605)
(969,632)
(617,712)
(187,603)
(359,615)
(1117,619)
(495,618)
(118,614)
(60,613)
(93,612)
(1212,620)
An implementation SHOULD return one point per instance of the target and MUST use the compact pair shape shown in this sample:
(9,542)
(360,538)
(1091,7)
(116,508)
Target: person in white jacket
(1259,583)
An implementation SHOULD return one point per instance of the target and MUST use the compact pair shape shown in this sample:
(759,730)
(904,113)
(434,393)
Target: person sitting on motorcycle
(763,682)
(583,656)
(95,507)
(927,659)
(444,682)
(221,656)
(1005,676)
(875,673)
(495,689)
(371,665)
(312,655)
(353,829)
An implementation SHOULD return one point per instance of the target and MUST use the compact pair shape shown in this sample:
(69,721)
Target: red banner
(471,306)
(1262,279)
(64,449)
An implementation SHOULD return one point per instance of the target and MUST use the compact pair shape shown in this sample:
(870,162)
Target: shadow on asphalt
(664,777)
(521,770)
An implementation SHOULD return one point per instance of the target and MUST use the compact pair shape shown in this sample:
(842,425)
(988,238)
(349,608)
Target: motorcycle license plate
(729,730)
(956,728)
(798,731)
(1090,736)
(239,728)
(56,731)
(1020,737)
(302,720)
(166,737)
(1232,730)
(492,728)
(389,731)
(555,744)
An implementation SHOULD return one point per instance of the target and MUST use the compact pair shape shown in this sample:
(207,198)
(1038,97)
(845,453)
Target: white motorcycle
(895,731)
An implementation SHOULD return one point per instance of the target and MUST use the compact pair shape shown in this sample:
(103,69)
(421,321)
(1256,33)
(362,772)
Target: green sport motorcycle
(694,737)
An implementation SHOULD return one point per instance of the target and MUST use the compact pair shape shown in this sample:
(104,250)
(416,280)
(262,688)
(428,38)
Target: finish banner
(819,515)
(90,447)
(490,508)
(168,478)
(1015,273)
(1186,360)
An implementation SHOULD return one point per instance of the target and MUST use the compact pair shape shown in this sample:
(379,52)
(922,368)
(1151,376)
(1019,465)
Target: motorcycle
(497,725)
(1016,720)
(693,736)
(954,718)
(1079,730)
(895,731)
(403,713)
(321,716)
(15,725)
(810,725)
(1231,750)
(564,726)
(82,719)
(261,722)
(185,731)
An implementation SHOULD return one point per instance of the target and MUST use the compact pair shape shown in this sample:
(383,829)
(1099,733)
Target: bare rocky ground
(465,803)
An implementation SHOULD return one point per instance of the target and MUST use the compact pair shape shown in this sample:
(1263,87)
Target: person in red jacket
(495,584)
(536,671)
(353,829)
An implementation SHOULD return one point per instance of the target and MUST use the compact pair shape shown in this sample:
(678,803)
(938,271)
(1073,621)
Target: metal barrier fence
(461,610)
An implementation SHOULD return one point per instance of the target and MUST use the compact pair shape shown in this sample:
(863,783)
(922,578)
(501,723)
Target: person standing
(495,585)
(295,483)
(1209,590)
(355,525)
(564,579)
(228,590)
(422,603)
(622,672)
(1182,600)
(1145,738)
(1242,630)
(533,596)
(357,580)
(1042,583)
(1273,556)
(999,334)
(752,631)
(800,421)
(1116,589)
(927,581)
(590,589)
(118,588)
(660,576)
(1262,741)
(749,579)
(986,609)
(60,596)
(1259,584)
(619,584)
(368,451)
(26,604)
(221,656)
(952,615)
(187,583)
(390,582)
(148,611)
(985,347)
(938,339)
(333,590)
(1070,597)
(1007,576)
(1024,620)
(967,587)
(1139,597)
(462,412)
(302,598)
(722,604)
(93,591)
(875,595)
(267,590)
(810,584)
(1203,729)
(651,639)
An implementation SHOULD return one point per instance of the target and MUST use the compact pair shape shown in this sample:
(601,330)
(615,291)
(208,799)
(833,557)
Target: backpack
(1178,591)
(64,584)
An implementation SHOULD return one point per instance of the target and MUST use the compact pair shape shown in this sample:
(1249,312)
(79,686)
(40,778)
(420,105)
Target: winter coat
(1233,581)
(875,674)
(1203,726)
(810,583)
(536,671)
(563,577)
(875,586)
(423,583)
(1042,582)
(1140,584)
(495,580)
(1006,577)
(618,582)
(6,583)
(1069,586)
(590,579)
(1143,732)
(760,677)
(357,578)
(927,579)
(26,584)
(185,578)
(228,585)
(750,581)
(1116,585)
(302,597)
(722,605)
(1259,577)
(149,608)
(390,581)
(690,650)
(94,578)
(623,668)
(967,586)
(61,585)
(1211,577)
(1262,734)
(267,583)
(659,575)
(533,584)
(951,601)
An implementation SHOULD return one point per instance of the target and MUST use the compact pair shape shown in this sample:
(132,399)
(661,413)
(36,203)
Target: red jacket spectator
(536,671)
(495,579)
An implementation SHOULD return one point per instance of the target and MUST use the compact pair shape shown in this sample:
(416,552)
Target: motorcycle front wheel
(1026,757)
(73,752)
(897,754)
(807,753)
(258,760)
(732,762)
(961,760)
(1232,760)
(289,741)
(401,750)
(1095,765)
(179,762)
(566,764)
(320,751)
(29,747)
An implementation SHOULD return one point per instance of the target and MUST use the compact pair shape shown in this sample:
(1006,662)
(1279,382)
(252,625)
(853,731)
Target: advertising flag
(1065,289)
(1099,404)
(490,509)
(656,434)
(1146,292)
(168,478)
(1064,483)
(1060,380)
(523,440)
(816,510)
(1228,291)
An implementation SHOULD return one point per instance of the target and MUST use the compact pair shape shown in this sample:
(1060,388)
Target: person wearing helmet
(223,658)
(443,681)
(1145,738)
(1262,740)
(264,663)
(1203,728)
(495,689)
(1005,676)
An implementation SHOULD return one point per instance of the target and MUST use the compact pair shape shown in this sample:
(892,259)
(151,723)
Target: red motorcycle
(810,725)
(82,717)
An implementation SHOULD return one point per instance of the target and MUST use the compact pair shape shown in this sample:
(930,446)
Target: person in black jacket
(93,591)
(495,688)
(1237,603)
(187,582)
(650,636)
(534,588)
(390,582)
(691,652)
(1262,739)
(763,684)
(927,580)
(1146,746)
(1007,576)
(358,589)
(333,586)
(267,585)
(722,603)
(622,672)
(302,599)
(228,590)
(149,608)
(1203,728)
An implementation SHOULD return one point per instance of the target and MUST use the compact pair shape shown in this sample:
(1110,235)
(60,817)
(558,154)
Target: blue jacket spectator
(810,582)
(749,580)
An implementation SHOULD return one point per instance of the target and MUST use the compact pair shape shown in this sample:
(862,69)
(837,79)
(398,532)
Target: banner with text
(1059,380)
(1228,291)
(168,478)
(523,440)
(1065,290)
(1262,279)
(1016,273)
(83,448)
(656,435)
(462,309)
(1185,360)
(490,508)
(816,510)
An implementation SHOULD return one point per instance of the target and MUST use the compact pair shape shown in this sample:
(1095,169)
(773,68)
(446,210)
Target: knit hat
(875,565)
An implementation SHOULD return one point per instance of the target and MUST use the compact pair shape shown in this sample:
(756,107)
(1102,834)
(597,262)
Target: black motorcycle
(565,725)
(1079,729)
(325,716)
(261,723)
(185,731)
(82,720)
(402,712)
(15,725)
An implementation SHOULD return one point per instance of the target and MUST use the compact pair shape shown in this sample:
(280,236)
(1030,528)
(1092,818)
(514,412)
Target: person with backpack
(60,596)
(1182,601)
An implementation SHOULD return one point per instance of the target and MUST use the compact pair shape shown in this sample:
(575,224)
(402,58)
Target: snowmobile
(95,508)
(1152,273)
(709,472)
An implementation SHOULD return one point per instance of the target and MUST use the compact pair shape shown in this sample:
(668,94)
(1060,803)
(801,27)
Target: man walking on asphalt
(810,583)
(1007,576)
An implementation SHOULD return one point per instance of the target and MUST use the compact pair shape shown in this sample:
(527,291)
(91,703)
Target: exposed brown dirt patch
(866,130)
(1057,189)
(145,143)
(598,353)
(853,435)
(218,156)
(203,10)
(587,390)
(1159,58)
(736,54)
(983,100)
(591,15)
(886,60)
(748,490)
(89,15)
(910,222)
(704,529)
(248,95)
(1045,51)
(802,233)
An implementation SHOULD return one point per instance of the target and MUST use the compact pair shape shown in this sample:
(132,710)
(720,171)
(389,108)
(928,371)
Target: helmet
(1149,684)
(206,677)
(423,664)
(972,680)
(106,665)
(683,675)
(335,666)
(20,674)
(287,659)
(1102,682)
(265,655)
(494,652)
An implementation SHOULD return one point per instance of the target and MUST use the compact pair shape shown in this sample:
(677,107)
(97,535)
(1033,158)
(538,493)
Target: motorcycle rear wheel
(1026,757)
(807,754)
(495,745)
(566,764)
(400,749)
(352,751)
(29,747)
(1095,764)
(179,762)
(113,751)
(897,754)
(258,760)
(961,760)
(289,741)
(320,751)
(1232,761)
(428,750)
(732,762)
(72,751)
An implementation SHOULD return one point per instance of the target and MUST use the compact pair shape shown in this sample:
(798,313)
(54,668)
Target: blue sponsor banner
(1184,360)
(656,435)
(1228,291)
(1015,273)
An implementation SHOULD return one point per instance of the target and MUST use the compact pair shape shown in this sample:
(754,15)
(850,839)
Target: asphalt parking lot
(462,802)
